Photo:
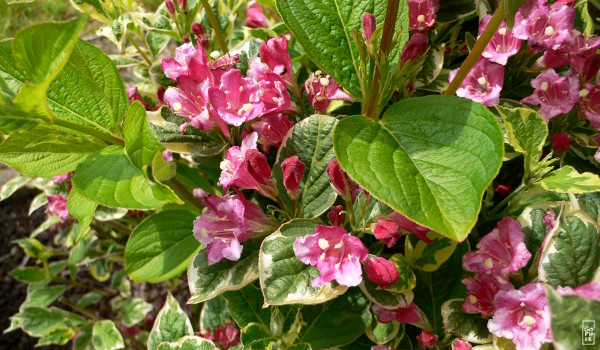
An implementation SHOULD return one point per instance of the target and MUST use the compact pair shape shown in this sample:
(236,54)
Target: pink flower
(134,95)
(62,178)
(336,254)
(293,171)
(274,94)
(340,181)
(461,345)
(381,271)
(274,52)
(481,290)
(227,336)
(369,24)
(546,28)
(380,347)
(190,101)
(416,47)
(57,205)
(503,44)
(272,130)
(500,252)
(422,14)
(589,290)
(590,103)
(556,94)
(203,38)
(523,316)
(322,89)
(255,18)
(573,53)
(410,314)
(387,231)
(167,156)
(188,61)
(483,83)
(406,224)
(245,167)
(427,339)
(227,222)
(549,220)
(561,142)
(336,216)
(237,99)
(589,68)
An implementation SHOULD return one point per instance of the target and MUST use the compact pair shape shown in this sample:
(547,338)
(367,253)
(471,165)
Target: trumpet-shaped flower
(556,94)
(502,45)
(481,290)
(483,83)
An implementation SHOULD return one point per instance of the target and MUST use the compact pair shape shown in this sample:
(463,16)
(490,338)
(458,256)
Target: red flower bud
(160,93)
(369,24)
(387,231)
(561,142)
(183,4)
(255,169)
(415,48)
(381,271)
(504,189)
(336,217)
(198,30)
(340,181)
(427,339)
(293,170)
(170,6)
(186,39)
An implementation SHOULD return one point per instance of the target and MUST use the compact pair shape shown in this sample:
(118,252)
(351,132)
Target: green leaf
(38,321)
(37,202)
(311,141)
(189,343)
(161,247)
(389,299)
(432,66)
(13,185)
(134,310)
(284,279)
(337,322)
(108,177)
(41,50)
(46,152)
(140,143)
(83,209)
(324,28)
(590,203)
(527,131)
(214,313)
(428,257)
(451,11)
(256,336)
(472,328)
(30,274)
(207,281)
(583,19)
(571,256)
(170,325)
(568,180)
(43,297)
(432,165)
(191,141)
(59,336)
(434,288)
(84,339)
(510,10)
(34,248)
(570,313)
(91,298)
(106,336)
(381,333)
(245,306)
(163,170)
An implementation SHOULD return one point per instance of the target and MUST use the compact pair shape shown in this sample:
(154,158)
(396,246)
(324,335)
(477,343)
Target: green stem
(215,24)
(184,192)
(79,309)
(389,28)
(139,49)
(477,50)
(93,132)
(498,207)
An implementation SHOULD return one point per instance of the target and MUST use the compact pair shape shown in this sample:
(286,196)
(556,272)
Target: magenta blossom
(188,61)
(227,222)
(167,156)
(227,336)
(408,225)
(416,47)
(549,220)
(500,252)
(523,316)
(410,314)
(190,101)
(274,94)
(503,44)
(134,95)
(573,53)
(274,52)
(293,171)
(589,290)
(340,181)
(62,178)
(483,83)
(556,94)
(369,24)
(272,130)
(461,345)
(255,17)
(57,205)
(237,99)
(387,231)
(322,89)
(561,142)
(336,215)
(481,290)
(590,103)
(546,28)
(422,14)
(381,271)
(427,339)
(336,254)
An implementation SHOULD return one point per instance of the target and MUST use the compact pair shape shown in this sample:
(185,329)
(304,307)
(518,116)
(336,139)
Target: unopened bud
(293,171)
(335,215)
(369,24)
(415,48)
(381,271)
(170,6)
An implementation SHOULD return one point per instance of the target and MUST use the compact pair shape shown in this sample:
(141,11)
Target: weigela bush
(331,174)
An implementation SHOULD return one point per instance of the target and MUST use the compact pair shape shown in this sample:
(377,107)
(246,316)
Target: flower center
(177,106)
(324,81)
(215,55)
(482,81)
(583,93)
(502,31)
(323,244)
(247,107)
(549,30)
(488,263)
(421,18)
(544,86)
